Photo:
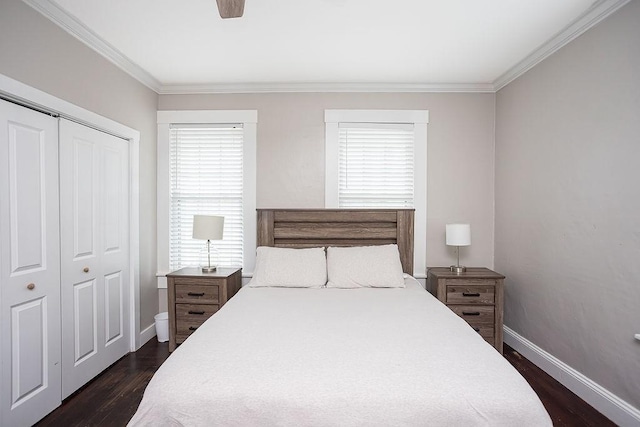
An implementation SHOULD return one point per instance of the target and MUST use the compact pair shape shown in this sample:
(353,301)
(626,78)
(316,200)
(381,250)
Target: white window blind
(376,165)
(206,168)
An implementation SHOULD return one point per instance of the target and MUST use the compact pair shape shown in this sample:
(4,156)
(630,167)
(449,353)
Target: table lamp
(458,235)
(208,227)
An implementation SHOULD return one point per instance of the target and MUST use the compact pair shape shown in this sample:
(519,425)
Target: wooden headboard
(306,228)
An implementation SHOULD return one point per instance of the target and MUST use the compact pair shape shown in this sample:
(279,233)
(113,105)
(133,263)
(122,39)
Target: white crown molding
(596,13)
(69,23)
(591,17)
(324,87)
(73,26)
(616,409)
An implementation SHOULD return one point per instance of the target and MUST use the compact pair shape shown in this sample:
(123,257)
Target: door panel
(29,266)
(28,355)
(26,145)
(85,321)
(113,162)
(94,197)
(83,199)
(113,307)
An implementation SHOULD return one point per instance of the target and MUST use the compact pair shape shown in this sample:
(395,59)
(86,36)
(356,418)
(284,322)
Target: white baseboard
(616,409)
(147,333)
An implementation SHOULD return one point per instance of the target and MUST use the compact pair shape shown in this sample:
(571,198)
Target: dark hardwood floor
(113,397)
(564,407)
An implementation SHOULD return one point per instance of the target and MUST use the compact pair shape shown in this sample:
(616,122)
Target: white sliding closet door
(29,266)
(94,226)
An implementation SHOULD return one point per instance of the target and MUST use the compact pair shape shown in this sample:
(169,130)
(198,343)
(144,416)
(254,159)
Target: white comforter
(335,357)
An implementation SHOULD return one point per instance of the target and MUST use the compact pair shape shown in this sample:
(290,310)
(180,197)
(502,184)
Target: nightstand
(476,296)
(195,296)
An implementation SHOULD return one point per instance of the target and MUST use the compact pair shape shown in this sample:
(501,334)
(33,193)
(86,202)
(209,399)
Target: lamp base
(208,269)
(458,269)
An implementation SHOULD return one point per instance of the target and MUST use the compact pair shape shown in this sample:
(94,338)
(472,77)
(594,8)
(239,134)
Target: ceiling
(184,46)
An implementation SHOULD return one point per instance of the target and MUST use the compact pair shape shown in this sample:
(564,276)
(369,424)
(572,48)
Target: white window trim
(249,120)
(420,119)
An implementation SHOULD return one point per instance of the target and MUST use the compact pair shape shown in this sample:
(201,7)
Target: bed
(292,356)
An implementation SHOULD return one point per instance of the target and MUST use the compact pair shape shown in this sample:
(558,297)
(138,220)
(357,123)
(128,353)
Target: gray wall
(568,203)
(36,52)
(460,164)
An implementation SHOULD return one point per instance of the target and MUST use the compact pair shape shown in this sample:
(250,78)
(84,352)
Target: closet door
(94,226)
(29,266)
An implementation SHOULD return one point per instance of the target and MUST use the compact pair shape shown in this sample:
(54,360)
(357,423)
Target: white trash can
(162,326)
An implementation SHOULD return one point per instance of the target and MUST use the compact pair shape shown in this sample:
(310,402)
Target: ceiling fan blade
(230,8)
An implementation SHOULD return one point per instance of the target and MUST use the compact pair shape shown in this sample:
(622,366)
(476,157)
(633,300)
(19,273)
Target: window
(375,165)
(378,158)
(205,169)
(206,165)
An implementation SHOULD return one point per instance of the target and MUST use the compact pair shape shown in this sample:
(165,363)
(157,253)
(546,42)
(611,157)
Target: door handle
(470,294)
(31,286)
(86,269)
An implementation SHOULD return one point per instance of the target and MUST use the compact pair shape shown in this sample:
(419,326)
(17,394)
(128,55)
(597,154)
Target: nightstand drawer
(195,312)
(485,331)
(189,293)
(475,314)
(470,294)
(188,326)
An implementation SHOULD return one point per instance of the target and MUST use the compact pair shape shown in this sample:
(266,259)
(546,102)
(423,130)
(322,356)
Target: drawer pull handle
(471,313)
(476,329)
(470,294)
(195,294)
(196,312)
(193,328)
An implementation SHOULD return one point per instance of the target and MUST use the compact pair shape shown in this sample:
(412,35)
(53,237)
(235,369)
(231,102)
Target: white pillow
(290,268)
(364,267)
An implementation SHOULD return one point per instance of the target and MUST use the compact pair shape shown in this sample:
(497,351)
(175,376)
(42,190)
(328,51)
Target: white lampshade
(208,227)
(458,234)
